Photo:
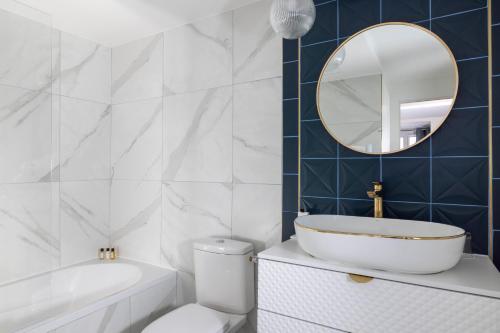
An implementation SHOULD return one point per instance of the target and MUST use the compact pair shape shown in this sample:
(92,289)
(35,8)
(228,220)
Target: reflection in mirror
(387,88)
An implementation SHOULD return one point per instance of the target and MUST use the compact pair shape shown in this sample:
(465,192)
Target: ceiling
(114,22)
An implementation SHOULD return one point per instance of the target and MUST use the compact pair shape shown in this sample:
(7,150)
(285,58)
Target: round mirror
(387,88)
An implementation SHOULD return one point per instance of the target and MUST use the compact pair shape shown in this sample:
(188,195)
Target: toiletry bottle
(113,254)
(101,253)
(108,253)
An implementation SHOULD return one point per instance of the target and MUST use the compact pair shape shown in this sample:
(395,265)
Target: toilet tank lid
(222,246)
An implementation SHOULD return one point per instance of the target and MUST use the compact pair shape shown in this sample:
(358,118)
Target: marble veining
(25,134)
(137,70)
(198,130)
(256,142)
(85,69)
(136,141)
(85,137)
(136,219)
(84,208)
(257,49)
(194,210)
(25,60)
(29,224)
(188,69)
(256,215)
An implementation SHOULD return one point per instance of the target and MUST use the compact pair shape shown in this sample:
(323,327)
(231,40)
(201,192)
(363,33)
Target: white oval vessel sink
(387,244)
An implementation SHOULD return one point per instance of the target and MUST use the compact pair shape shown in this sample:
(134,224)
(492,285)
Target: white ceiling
(114,22)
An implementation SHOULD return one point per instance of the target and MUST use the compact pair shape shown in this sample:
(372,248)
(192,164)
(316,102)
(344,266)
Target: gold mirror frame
(455,67)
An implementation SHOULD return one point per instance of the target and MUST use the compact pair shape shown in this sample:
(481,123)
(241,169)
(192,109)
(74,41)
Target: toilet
(224,290)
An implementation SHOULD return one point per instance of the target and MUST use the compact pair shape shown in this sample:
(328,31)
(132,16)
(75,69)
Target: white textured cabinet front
(332,299)
(273,323)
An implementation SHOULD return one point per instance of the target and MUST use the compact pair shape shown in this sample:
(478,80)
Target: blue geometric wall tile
(319,205)
(496,205)
(465,34)
(406,179)
(420,150)
(325,25)
(408,211)
(347,152)
(290,155)
(356,15)
(464,133)
(471,219)
(405,10)
(290,50)
(495,11)
(460,180)
(290,117)
(473,85)
(356,177)
(290,193)
(316,141)
(496,100)
(313,59)
(290,80)
(496,48)
(496,249)
(496,152)
(308,107)
(288,228)
(424,24)
(356,207)
(447,7)
(319,178)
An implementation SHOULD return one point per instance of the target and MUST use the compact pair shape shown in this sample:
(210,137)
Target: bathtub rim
(151,276)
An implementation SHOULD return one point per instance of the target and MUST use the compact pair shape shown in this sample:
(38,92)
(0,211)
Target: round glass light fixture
(292,19)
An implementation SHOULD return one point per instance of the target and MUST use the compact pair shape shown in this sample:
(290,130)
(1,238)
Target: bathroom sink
(387,244)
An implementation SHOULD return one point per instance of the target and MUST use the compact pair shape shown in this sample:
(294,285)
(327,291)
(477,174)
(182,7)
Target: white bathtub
(52,300)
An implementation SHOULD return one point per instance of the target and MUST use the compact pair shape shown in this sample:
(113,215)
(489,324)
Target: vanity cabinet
(297,293)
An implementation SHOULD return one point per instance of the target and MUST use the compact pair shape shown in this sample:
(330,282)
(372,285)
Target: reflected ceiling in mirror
(387,88)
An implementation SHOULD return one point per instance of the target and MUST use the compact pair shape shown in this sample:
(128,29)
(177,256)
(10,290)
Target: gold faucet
(376,195)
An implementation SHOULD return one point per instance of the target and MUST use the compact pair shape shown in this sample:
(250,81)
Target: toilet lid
(191,318)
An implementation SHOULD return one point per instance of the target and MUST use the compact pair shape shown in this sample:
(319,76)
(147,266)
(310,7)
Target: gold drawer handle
(360,278)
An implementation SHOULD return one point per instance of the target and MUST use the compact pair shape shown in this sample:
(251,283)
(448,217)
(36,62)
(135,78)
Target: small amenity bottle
(101,253)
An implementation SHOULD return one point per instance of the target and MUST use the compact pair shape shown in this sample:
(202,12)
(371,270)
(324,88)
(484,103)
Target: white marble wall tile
(136,219)
(29,229)
(85,69)
(25,134)
(56,62)
(85,140)
(25,57)
(186,288)
(257,48)
(137,70)
(112,319)
(54,173)
(198,136)
(199,55)
(151,304)
(84,220)
(257,119)
(257,214)
(192,211)
(136,140)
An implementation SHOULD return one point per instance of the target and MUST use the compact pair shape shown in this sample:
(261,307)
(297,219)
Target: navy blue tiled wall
(444,179)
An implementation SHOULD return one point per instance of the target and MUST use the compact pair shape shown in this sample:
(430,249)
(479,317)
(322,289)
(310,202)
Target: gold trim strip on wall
(345,233)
